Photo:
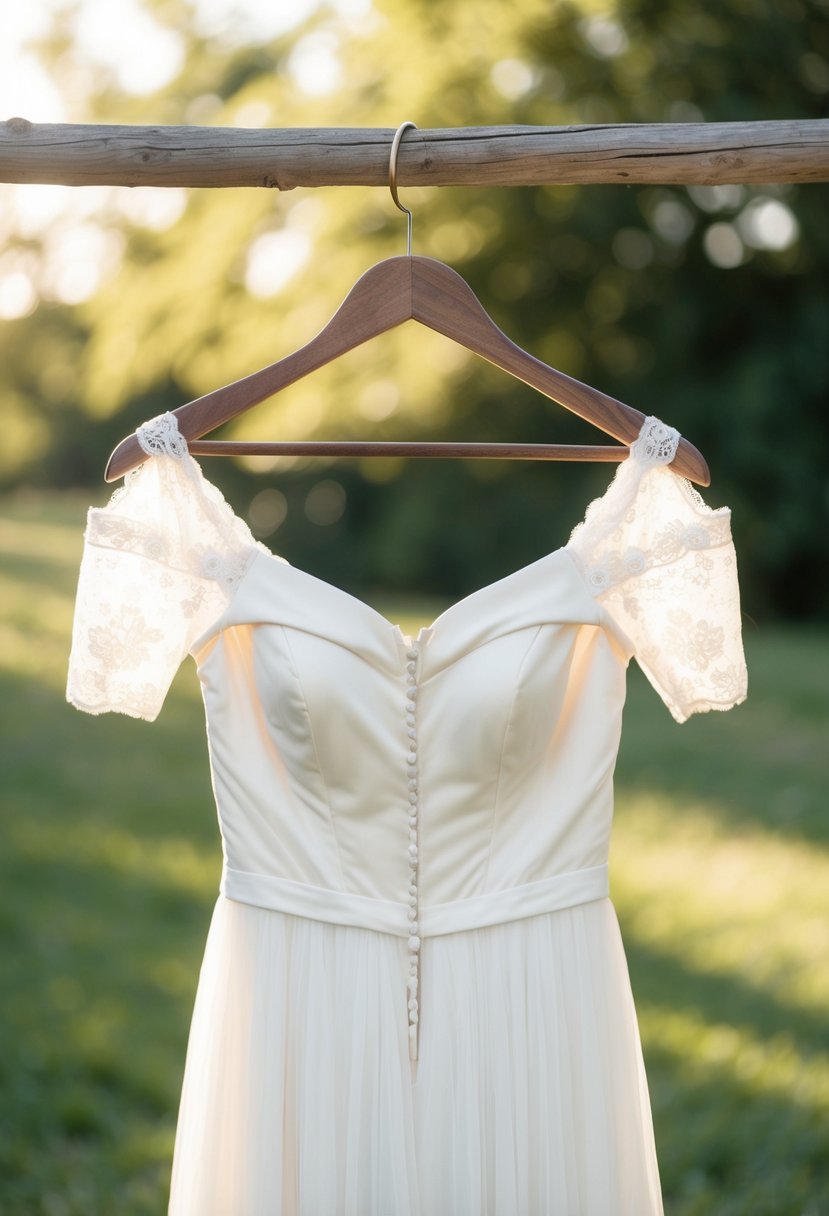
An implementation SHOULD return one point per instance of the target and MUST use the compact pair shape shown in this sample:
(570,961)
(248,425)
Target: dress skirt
(528,1097)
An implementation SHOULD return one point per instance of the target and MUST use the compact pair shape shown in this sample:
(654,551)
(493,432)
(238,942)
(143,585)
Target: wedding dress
(414,999)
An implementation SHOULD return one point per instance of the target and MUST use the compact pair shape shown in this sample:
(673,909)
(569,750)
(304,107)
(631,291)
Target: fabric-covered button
(413,911)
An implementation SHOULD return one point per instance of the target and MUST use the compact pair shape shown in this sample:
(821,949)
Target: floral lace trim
(109,531)
(656,442)
(669,545)
(696,645)
(160,436)
(703,705)
(134,706)
(606,518)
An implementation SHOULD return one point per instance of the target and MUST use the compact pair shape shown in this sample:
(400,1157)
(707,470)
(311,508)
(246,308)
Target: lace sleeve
(160,564)
(662,564)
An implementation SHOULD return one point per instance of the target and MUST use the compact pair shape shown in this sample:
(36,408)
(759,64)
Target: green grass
(110,866)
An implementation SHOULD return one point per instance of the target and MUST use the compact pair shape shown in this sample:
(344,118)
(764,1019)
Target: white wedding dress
(414,999)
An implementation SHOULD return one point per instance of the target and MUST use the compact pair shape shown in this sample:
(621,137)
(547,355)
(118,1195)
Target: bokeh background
(708,306)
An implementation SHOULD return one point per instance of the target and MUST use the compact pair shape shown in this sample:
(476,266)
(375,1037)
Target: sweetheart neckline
(425,630)
(697,504)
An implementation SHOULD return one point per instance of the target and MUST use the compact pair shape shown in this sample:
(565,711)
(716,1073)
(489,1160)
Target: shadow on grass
(661,979)
(764,763)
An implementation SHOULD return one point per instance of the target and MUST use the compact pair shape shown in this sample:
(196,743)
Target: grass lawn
(110,867)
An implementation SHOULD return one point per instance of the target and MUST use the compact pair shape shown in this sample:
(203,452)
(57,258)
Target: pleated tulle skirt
(529,1096)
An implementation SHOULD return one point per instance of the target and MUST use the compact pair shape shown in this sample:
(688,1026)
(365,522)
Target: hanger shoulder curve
(378,301)
(445,302)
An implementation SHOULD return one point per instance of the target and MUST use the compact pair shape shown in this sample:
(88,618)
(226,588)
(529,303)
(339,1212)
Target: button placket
(412,984)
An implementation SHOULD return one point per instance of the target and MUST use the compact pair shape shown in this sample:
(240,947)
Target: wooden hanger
(393,291)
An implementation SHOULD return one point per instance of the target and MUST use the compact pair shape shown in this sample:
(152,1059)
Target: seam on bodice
(284,632)
(497,792)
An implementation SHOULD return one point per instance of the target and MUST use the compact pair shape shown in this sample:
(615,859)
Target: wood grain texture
(795,150)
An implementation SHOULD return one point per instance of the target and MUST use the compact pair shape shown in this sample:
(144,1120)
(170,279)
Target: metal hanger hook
(395,148)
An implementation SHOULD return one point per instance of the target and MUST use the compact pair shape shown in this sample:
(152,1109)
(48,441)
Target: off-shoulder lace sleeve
(662,564)
(160,564)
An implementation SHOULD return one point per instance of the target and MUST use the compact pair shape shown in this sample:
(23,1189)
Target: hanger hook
(395,148)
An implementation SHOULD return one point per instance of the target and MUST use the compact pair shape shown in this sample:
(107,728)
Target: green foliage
(613,284)
(110,867)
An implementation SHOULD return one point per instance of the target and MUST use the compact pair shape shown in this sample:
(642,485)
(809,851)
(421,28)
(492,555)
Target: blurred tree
(705,306)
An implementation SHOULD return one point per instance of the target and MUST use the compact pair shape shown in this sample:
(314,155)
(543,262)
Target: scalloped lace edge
(106,707)
(704,706)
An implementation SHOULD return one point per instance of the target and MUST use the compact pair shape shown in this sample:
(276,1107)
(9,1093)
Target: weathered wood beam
(794,150)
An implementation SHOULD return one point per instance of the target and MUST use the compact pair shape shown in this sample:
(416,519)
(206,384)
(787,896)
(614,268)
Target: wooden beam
(795,150)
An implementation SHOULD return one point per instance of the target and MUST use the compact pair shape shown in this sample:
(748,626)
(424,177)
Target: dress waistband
(388,916)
